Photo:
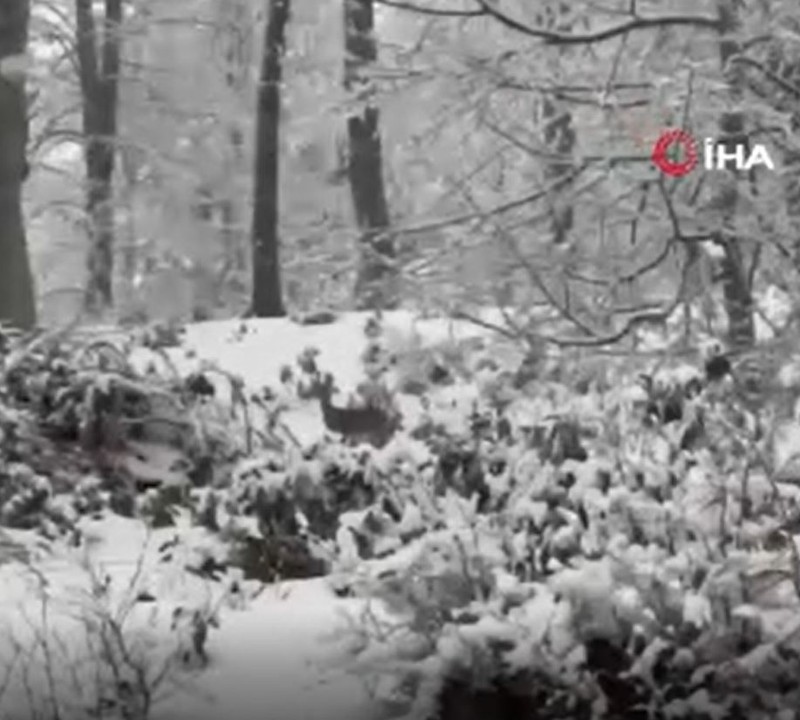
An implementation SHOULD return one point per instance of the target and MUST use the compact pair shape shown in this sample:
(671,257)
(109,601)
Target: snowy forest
(399,359)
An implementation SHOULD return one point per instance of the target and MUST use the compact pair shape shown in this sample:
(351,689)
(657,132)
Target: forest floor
(555,554)
(274,658)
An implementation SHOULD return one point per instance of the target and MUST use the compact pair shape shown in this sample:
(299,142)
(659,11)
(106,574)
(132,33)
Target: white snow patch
(272,656)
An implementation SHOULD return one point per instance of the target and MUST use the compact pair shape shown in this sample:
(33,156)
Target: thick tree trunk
(559,136)
(267,298)
(99,78)
(735,273)
(17,304)
(376,282)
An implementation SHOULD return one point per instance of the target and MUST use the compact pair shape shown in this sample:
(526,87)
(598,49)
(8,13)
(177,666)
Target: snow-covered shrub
(106,645)
(617,551)
(78,420)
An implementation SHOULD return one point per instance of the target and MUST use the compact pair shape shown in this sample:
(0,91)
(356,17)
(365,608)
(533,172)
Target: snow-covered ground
(257,350)
(272,656)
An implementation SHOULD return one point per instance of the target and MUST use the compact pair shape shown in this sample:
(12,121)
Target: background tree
(642,243)
(17,303)
(376,278)
(267,296)
(735,276)
(99,67)
(513,150)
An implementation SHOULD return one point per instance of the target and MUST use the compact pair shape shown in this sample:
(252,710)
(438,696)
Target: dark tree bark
(559,136)
(376,282)
(17,303)
(99,63)
(735,274)
(267,300)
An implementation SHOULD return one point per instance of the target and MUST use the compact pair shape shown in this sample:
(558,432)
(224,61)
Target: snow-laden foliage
(610,543)
(79,420)
(624,551)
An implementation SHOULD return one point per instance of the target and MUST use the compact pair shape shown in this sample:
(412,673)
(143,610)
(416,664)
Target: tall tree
(736,275)
(235,16)
(376,279)
(267,300)
(17,304)
(99,64)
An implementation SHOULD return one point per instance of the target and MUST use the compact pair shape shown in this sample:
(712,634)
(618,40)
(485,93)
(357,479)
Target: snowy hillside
(514,519)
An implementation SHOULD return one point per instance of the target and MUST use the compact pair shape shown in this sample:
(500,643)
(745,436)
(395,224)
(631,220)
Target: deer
(371,424)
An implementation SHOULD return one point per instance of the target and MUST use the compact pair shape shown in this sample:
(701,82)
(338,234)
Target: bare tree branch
(487,8)
(779,81)
(635,23)
(438,12)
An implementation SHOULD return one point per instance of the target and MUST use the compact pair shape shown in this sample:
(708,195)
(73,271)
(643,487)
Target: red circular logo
(679,139)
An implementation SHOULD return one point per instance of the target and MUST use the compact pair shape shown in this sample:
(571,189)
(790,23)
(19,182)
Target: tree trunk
(99,78)
(267,298)
(17,303)
(376,282)
(559,136)
(736,285)
(236,17)
(230,230)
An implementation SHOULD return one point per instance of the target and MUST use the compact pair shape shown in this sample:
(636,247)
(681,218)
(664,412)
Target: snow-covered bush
(618,551)
(97,643)
(559,542)
(78,419)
